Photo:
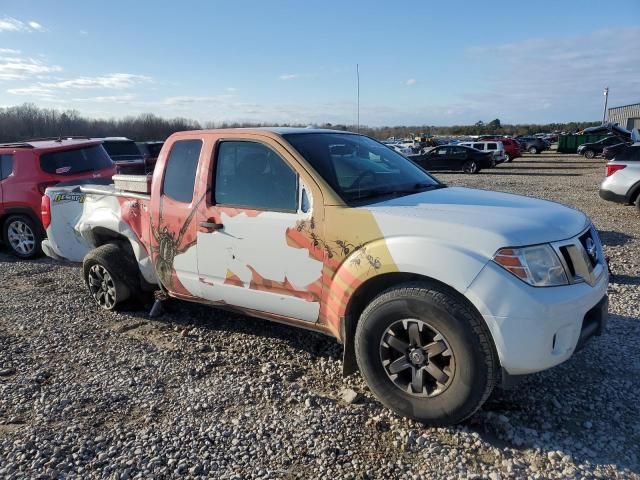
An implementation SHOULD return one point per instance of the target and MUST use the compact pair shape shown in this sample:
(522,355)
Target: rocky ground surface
(204,393)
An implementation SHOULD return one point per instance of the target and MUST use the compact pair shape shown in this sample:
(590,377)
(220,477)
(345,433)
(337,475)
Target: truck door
(246,255)
(172,220)
(438,158)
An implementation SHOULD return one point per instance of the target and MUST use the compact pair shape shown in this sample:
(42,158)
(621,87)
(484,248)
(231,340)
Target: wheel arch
(634,192)
(374,286)
(102,236)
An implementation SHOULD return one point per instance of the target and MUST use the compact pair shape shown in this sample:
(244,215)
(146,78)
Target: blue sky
(283,61)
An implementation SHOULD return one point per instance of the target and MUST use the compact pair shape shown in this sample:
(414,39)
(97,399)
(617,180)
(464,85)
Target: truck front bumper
(537,328)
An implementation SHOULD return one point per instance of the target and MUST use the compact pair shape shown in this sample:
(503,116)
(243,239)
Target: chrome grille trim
(581,268)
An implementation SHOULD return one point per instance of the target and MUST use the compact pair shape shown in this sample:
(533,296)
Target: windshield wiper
(396,192)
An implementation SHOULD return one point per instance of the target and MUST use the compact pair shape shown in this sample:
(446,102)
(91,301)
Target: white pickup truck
(437,293)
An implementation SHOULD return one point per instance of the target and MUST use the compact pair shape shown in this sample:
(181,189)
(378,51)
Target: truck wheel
(589,154)
(470,167)
(110,276)
(533,150)
(22,236)
(425,355)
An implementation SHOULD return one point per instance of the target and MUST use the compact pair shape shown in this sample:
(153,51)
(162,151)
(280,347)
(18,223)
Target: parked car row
(28,168)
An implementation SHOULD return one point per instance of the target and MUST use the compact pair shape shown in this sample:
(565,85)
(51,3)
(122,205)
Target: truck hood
(478,220)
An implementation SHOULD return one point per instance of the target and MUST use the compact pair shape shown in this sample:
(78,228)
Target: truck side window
(180,171)
(6,166)
(249,174)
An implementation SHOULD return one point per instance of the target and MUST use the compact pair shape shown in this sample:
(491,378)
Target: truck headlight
(537,265)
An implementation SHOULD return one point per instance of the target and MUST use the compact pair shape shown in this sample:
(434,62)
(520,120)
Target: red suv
(511,147)
(27,169)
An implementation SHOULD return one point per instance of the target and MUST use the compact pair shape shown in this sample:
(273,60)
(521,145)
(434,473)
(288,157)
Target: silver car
(622,184)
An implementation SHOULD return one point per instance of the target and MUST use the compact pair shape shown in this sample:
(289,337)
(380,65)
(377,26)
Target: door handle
(211,226)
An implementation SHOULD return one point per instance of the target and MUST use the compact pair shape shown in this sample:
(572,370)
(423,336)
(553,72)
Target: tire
(111,276)
(533,150)
(470,167)
(589,154)
(22,236)
(467,362)
(507,158)
(637,202)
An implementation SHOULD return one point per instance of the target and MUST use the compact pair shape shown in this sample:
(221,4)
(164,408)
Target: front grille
(589,244)
(582,257)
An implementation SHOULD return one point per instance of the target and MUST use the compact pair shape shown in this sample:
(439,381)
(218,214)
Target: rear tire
(470,167)
(637,202)
(420,327)
(589,154)
(533,150)
(111,276)
(22,236)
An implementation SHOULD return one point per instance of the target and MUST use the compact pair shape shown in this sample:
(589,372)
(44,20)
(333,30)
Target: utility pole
(606,97)
(358,95)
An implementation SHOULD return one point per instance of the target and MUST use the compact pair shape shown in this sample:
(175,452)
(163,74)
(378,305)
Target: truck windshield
(359,168)
(78,160)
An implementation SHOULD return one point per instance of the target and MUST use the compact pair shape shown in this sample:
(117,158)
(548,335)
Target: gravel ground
(200,392)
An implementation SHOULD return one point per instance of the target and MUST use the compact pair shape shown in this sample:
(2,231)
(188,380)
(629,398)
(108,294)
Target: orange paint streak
(233,279)
(258,282)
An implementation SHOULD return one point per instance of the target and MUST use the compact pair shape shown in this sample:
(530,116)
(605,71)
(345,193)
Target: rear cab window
(122,148)
(6,166)
(180,171)
(74,161)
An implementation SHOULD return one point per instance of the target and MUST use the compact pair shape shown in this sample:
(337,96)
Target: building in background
(627,116)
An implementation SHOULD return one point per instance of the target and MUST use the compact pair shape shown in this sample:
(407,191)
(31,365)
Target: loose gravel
(203,393)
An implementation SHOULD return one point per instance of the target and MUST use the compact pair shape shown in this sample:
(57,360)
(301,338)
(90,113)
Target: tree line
(28,121)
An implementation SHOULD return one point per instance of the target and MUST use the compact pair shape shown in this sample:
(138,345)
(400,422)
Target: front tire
(507,158)
(589,154)
(425,355)
(110,275)
(533,150)
(22,236)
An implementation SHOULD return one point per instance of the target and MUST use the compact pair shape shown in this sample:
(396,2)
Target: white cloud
(189,100)
(558,78)
(83,32)
(289,76)
(15,68)
(107,99)
(231,89)
(411,81)
(33,91)
(10,24)
(115,81)
(9,51)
